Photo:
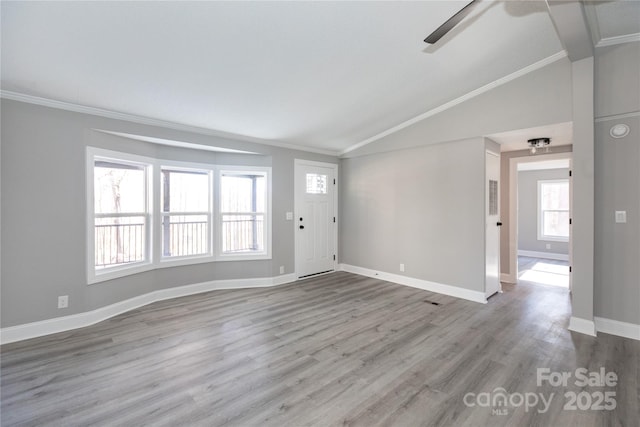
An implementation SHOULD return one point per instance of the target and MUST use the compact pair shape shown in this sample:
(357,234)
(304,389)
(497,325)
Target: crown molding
(617,116)
(486,88)
(612,41)
(596,36)
(84,109)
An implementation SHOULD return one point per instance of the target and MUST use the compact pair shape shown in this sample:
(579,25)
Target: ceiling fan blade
(450,23)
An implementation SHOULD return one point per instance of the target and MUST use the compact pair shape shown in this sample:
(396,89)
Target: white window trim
(266,254)
(175,261)
(93,275)
(153,247)
(542,236)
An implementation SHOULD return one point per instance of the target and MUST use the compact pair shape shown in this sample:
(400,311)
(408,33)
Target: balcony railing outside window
(123,243)
(242,233)
(187,235)
(119,241)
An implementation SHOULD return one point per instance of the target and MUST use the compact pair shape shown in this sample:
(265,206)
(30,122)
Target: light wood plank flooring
(543,271)
(339,349)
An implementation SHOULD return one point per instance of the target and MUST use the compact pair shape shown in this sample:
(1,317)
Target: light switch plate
(621,217)
(289,216)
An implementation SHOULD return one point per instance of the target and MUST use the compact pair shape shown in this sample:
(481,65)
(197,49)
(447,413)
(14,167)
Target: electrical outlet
(401,267)
(63,301)
(548,245)
(282,269)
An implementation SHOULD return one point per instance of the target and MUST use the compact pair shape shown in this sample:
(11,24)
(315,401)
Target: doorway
(542,219)
(316,227)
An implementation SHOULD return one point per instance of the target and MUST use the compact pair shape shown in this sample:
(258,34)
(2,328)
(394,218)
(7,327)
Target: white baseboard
(615,327)
(584,326)
(454,291)
(545,255)
(75,321)
(508,278)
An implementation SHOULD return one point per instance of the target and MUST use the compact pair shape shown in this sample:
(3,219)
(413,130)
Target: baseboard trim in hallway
(615,327)
(453,291)
(584,326)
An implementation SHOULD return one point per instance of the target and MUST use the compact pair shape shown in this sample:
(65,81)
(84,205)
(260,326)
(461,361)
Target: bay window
(145,213)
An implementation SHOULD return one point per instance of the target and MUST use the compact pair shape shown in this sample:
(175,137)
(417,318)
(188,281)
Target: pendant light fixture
(535,144)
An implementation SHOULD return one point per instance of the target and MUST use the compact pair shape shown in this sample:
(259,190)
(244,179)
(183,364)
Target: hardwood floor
(339,349)
(543,271)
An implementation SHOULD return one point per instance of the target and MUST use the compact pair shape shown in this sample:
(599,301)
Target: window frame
(243,170)
(209,256)
(108,273)
(154,214)
(541,235)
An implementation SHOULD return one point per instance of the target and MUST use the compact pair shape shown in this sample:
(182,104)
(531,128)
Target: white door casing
(315,217)
(492,227)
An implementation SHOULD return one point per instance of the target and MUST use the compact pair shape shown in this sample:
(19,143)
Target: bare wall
(617,184)
(539,98)
(423,207)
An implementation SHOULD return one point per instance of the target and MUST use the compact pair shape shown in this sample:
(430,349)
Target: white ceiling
(324,75)
(559,133)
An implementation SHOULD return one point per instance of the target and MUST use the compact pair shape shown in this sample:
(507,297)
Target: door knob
(302,227)
(499,224)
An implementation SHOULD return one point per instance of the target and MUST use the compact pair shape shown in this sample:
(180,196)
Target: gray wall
(43,210)
(582,94)
(423,207)
(617,184)
(539,98)
(528,211)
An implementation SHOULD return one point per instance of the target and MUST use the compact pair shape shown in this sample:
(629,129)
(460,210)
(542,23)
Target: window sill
(244,257)
(118,272)
(553,239)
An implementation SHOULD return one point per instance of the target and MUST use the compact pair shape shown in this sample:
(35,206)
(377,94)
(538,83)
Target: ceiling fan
(450,23)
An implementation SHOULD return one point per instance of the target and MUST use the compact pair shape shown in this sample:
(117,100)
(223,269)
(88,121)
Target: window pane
(119,240)
(184,235)
(185,191)
(493,197)
(555,223)
(555,195)
(242,233)
(242,193)
(118,188)
(316,184)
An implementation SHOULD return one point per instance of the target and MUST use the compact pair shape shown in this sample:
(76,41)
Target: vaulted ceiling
(322,75)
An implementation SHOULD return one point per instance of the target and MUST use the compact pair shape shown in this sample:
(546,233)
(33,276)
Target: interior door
(315,218)
(493,224)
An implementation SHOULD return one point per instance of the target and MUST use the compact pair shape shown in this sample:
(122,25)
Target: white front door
(492,215)
(315,217)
